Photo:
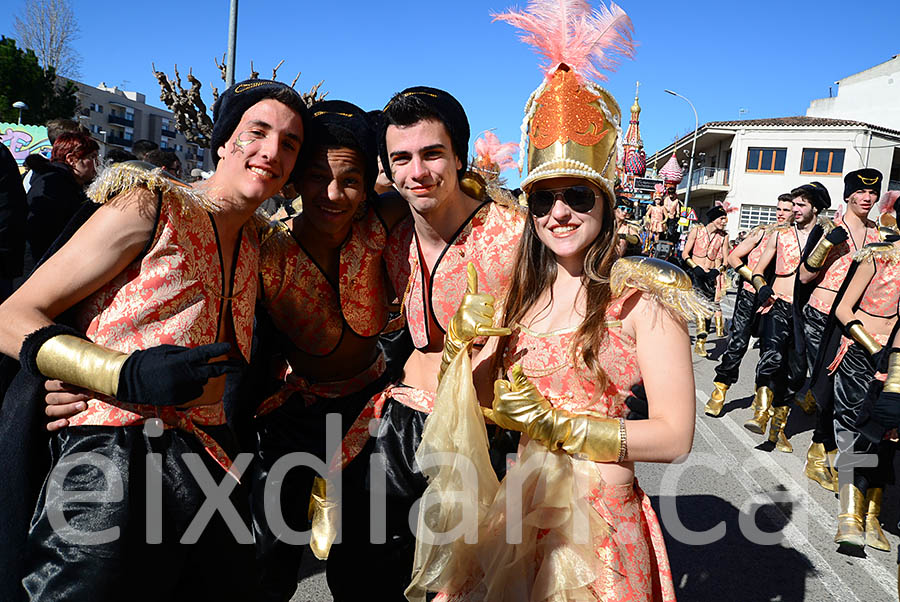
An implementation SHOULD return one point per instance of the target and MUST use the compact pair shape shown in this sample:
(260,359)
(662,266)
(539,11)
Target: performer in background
(585,328)
(673,211)
(782,369)
(743,258)
(704,253)
(161,281)
(628,242)
(657,219)
(866,312)
(825,269)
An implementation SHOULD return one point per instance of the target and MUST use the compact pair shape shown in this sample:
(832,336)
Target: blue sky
(770,58)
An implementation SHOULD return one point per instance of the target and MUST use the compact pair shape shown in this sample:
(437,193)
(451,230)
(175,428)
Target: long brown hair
(534,272)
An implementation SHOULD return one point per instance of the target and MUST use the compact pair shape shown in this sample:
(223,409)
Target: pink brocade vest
(787,251)
(839,259)
(172,295)
(487,239)
(313,311)
(881,298)
(706,244)
(753,258)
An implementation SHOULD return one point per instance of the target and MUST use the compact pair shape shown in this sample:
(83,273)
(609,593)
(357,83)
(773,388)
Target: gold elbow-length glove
(518,405)
(475,317)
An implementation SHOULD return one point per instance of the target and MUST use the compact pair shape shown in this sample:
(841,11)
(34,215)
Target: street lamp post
(687,194)
(232,43)
(20,105)
(105,145)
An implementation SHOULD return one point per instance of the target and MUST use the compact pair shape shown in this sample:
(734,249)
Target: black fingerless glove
(765,293)
(836,236)
(171,375)
(699,273)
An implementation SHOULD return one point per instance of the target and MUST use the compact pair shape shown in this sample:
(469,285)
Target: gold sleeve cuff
(599,439)
(690,263)
(757,281)
(745,272)
(81,363)
(892,382)
(862,336)
(452,346)
(819,254)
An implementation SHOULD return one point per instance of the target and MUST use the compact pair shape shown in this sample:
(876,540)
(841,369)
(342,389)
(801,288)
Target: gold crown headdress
(572,126)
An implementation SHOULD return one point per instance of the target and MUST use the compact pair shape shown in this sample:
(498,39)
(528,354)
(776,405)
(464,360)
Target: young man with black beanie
(325,295)
(160,285)
(424,141)
(782,369)
(825,269)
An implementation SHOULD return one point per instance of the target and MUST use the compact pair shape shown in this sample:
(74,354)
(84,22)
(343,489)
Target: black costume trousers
(738,337)
(814,322)
(852,379)
(144,493)
(706,289)
(294,427)
(780,367)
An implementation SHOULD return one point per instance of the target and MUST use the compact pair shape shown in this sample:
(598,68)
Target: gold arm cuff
(745,272)
(81,363)
(597,438)
(690,263)
(452,346)
(862,336)
(818,256)
(757,281)
(892,382)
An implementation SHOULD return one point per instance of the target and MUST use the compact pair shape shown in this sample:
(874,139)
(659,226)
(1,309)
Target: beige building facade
(118,118)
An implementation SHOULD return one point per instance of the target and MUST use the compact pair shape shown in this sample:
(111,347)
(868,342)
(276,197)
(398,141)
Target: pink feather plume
(727,206)
(571,32)
(888,200)
(493,152)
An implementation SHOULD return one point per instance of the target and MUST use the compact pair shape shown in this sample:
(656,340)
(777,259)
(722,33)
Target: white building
(748,163)
(118,117)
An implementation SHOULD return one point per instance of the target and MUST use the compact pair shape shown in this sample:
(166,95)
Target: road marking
(815,511)
(792,535)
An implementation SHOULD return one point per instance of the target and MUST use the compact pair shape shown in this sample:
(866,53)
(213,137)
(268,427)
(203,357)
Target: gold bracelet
(82,363)
(892,382)
(862,336)
(818,255)
(690,263)
(745,272)
(758,281)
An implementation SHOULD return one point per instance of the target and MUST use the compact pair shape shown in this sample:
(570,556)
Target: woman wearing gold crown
(568,522)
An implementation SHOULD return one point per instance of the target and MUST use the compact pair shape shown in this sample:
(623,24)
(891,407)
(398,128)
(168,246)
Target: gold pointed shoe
(817,466)
(700,347)
(850,521)
(720,325)
(875,537)
(716,400)
(808,404)
(776,429)
(762,411)
(323,513)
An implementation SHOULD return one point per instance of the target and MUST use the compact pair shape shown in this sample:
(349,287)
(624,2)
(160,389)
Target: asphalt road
(742,522)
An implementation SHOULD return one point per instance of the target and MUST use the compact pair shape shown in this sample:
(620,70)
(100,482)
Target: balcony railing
(116,119)
(168,133)
(706,176)
(120,140)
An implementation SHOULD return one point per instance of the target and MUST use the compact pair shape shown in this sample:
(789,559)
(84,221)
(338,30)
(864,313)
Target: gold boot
(776,429)
(762,411)
(323,515)
(808,405)
(716,400)
(875,537)
(700,342)
(720,324)
(832,456)
(816,466)
(850,520)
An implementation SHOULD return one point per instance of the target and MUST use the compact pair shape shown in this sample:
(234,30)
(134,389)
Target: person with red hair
(56,193)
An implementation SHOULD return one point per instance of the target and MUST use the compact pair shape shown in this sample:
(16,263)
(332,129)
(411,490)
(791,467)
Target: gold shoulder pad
(130,175)
(273,232)
(666,283)
(827,224)
(880,251)
(887,233)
